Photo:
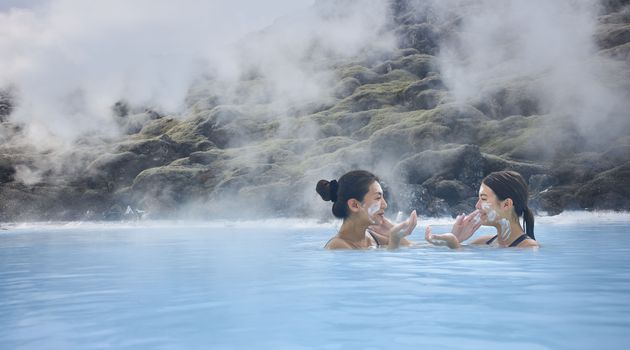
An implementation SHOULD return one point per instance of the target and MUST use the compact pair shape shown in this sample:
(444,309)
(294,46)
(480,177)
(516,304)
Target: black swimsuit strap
(491,240)
(519,240)
(374,238)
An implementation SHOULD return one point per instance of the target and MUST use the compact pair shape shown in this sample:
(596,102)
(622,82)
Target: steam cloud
(72,60)
(549,44)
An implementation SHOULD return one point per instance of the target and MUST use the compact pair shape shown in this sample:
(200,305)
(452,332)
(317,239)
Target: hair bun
(327,190)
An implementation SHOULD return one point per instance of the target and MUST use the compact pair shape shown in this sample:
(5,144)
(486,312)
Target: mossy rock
(433,82)
(353,156)
(456,123)
(428,99)
(162,190)
(508,99)
(423,37)
(419,65)
(362,74)
(134,123)
(223,126)
(534,138)
(207,157)
(346,87)
(379,119)
(331,144)
(158,127)
(372,96)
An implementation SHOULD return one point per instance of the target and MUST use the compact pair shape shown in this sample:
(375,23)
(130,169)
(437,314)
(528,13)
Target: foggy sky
(70,60)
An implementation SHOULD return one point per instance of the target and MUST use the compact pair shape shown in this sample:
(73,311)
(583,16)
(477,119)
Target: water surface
(270,285)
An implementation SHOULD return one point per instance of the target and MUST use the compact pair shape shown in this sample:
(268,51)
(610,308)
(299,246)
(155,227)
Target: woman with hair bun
(503,197)
(358,199)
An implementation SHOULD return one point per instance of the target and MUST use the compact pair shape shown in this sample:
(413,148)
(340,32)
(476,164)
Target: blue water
(272,286)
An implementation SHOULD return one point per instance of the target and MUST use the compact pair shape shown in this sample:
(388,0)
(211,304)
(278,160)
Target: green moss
(362,74)
(373,96)
(158,127)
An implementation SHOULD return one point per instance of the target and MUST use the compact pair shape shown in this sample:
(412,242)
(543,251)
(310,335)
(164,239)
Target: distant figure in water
(502,202)
(358,199)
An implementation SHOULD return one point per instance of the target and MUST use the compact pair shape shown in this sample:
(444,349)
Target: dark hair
(510,184)
(352,185)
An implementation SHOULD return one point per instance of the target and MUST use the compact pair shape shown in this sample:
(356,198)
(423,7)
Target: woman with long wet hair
(358,200)
(502,202)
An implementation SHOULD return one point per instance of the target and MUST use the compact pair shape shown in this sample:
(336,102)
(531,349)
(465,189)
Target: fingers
(471,216)
(459,219)
(399,227)
(413,220)
(428,234)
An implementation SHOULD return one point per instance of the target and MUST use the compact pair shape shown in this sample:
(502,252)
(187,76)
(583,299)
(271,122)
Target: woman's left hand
(447,239)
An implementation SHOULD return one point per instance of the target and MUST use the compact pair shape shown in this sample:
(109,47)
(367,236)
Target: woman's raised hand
(401,230)
(466,225)
(447,239)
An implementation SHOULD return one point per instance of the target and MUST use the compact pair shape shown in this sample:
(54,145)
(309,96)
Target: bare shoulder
(528,243)
(482,239)
(337,243)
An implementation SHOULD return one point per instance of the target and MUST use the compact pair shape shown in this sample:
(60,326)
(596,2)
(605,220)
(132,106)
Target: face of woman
(489,206)
(374,204)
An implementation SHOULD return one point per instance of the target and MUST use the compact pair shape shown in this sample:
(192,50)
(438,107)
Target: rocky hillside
(394,112)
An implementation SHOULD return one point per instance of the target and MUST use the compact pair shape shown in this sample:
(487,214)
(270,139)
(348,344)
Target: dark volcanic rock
(463,163)
(608,190)
(541,182)
(162,190)
(505,101)
(7,103)
(495,163)
(452,191)
(6,171)
(423,37)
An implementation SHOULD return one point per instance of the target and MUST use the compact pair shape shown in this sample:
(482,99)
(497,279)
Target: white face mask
(505,229)
(371,210)
(492,215)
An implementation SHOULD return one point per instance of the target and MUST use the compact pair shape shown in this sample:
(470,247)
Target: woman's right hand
(466,225)
(402,230)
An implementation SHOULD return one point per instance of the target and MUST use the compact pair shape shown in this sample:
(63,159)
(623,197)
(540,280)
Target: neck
(515,232)
(353,229)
